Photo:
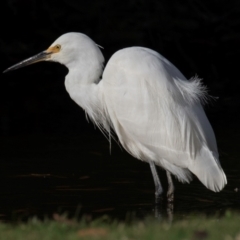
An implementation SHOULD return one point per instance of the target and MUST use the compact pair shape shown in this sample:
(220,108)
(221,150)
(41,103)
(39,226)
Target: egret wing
(151,116)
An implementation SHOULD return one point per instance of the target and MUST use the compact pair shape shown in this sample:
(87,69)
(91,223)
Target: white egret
(154,110)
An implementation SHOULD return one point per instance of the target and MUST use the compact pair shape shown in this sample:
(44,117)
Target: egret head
(69,49)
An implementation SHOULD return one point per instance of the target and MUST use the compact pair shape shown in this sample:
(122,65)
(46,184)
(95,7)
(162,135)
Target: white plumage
(154,110)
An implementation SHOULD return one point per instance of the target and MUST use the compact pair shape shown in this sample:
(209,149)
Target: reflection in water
(43,176)
(160,207)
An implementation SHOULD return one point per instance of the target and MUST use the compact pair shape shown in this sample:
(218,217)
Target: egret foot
(158,191)
(170,192)
(170,207)
(170,196)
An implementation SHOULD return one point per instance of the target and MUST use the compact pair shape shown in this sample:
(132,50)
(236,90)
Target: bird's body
(157,117)
(154,110)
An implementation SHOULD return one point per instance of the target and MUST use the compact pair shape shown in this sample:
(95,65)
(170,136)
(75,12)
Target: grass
(194,227)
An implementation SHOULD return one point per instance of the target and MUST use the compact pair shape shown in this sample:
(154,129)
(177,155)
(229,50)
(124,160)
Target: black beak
(36,58)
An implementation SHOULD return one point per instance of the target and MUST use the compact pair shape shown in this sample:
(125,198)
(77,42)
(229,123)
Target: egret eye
(58,47)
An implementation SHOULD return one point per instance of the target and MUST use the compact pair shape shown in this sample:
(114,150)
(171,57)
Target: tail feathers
(208,170)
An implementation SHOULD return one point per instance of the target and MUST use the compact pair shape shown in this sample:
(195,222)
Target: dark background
(199,37)
(46,142)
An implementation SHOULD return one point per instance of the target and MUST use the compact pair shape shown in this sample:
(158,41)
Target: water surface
(41,175)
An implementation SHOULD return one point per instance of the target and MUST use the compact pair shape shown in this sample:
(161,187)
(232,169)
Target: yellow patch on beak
(54,49)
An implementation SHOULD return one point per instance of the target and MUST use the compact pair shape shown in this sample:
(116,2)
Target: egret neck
(82,80)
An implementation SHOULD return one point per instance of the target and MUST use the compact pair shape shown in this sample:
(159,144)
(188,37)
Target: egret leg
(158,185)
(170,192)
